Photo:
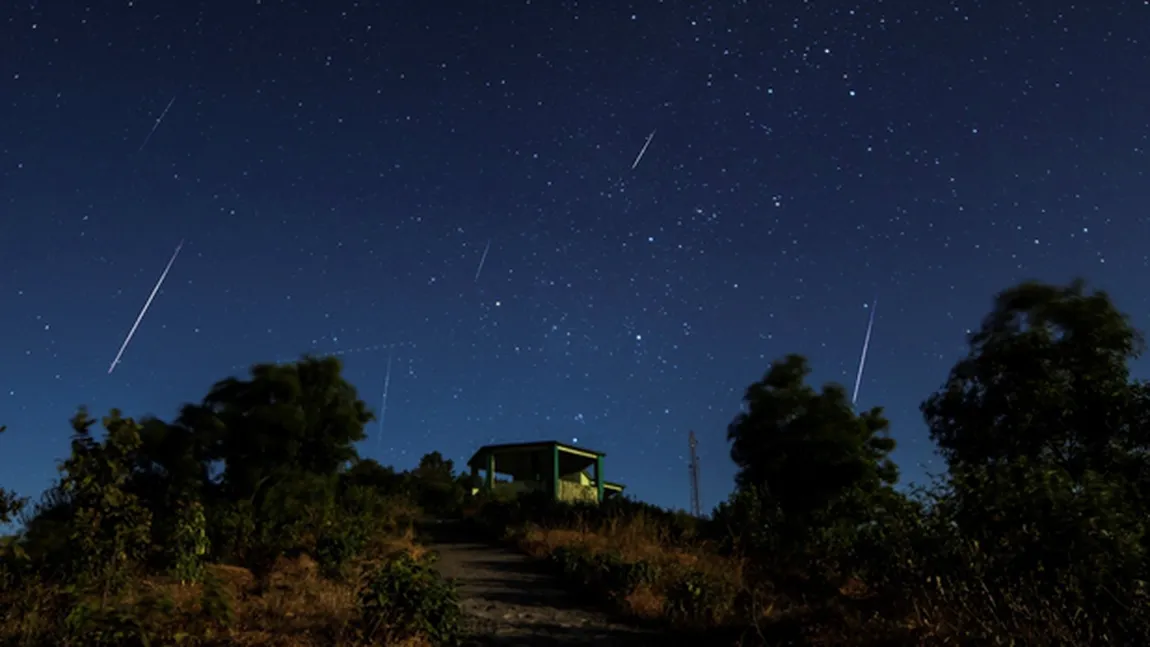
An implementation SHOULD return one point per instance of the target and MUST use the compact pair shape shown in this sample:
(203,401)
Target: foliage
(696,600)
(1045,435)
(109,530)
(1047,379)
(286,420)
(368,473)
(406,597)
(10,504)
(188,545)
(806,448)
(436,487)
(811,472)
(138,623)
(12,555)
(259,474)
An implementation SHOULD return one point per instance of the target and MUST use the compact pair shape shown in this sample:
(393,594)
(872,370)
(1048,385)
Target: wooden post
(599,477)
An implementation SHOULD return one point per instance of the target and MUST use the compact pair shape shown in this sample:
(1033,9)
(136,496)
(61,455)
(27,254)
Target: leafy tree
(173,463)
(1046,378)
(1045,435)
(433,467)
(285,420)
(803,451)
(369,473)
(436,486)
(108,530)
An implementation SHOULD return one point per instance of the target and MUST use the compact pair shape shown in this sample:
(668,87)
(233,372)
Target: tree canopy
(1046,378)
(286,418)
(804,449)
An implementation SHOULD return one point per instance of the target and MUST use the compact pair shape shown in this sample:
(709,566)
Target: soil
(509,600)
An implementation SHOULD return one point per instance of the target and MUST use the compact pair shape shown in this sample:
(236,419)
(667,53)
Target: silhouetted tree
(368,472)
(436,486)
(1045,435)
(1046,379)
(804,450)
(286,419)
(106,531)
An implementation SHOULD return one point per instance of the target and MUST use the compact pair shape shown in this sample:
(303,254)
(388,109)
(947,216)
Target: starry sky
(449,190)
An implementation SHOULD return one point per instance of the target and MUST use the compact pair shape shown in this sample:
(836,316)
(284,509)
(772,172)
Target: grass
(637,566)
(293,605)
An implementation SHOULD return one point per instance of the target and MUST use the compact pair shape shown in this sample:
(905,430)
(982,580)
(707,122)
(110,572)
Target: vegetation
(1036,534)
(249,520)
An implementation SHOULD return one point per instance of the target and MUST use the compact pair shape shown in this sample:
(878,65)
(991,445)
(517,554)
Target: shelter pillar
(490,480)
(555,472)
(599,477)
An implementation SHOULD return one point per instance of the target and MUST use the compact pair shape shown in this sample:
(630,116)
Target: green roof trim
(537,445)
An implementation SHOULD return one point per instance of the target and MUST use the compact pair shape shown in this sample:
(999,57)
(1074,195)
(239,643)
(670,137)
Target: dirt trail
(509,601)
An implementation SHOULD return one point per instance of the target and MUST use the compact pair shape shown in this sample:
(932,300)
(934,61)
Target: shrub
(694,599)
(406,597)
(188,544)
(118,624)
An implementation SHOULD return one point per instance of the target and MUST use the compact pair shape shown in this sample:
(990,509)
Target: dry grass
(640,539)
(634,539)
(293,606)
(644,603)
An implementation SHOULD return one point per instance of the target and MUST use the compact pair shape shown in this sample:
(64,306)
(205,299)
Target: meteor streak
(144,310)
(642,151)
(156,125)
(866,346)
(483,259)
(383,406)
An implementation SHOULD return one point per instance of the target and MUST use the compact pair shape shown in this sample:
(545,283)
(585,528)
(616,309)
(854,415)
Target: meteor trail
(156,125)
(866,346)
(483,259)
(144,310)
(383,407)
(639,157)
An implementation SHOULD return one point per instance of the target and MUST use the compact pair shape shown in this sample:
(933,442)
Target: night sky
(453,186)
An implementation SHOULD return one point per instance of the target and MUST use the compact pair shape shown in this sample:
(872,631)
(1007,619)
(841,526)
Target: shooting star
(156,125)
(639,157)
(383,405)
(866,346)
(144,310)
(483,259)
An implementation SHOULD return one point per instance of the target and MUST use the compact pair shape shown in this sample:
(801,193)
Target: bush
(406,597)
(187,544)
(694,599)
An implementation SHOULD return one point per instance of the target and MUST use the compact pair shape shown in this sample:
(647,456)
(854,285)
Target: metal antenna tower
(696,509)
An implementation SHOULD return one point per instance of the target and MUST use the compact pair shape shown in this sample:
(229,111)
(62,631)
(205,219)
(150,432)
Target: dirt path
(508,601)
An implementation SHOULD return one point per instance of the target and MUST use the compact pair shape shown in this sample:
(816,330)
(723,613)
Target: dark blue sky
(339,168)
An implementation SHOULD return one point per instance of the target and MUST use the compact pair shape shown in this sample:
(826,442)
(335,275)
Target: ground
(508,600)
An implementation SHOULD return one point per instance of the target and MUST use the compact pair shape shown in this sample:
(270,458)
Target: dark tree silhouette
(803,449)
(285,419)
(1046,379)
(368,472)
(1045,436)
